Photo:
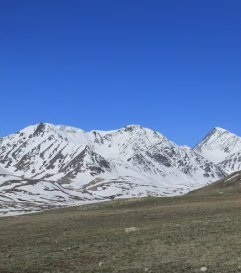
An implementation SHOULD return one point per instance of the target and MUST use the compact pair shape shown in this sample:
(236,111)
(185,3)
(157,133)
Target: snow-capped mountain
(131,161)
(223,148)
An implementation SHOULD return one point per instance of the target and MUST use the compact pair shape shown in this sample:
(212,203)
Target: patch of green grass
(179,234)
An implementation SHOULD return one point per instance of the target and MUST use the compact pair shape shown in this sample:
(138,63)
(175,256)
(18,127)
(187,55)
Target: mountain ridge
(46,151)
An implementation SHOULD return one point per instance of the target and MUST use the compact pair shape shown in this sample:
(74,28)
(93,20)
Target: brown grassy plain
(179,234)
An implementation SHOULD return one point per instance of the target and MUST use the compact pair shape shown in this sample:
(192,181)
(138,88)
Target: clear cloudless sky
(169,65)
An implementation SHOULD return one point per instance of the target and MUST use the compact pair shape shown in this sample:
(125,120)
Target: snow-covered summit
(220,129)
(64,128)
(218,146)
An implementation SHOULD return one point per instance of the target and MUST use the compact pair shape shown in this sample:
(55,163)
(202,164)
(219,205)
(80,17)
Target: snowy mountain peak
(185,147)
(219,129)
(134,126)
(218,145)
(64,128)
(41,127)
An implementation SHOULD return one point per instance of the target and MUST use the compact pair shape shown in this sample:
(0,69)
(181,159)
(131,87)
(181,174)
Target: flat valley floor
(180,234)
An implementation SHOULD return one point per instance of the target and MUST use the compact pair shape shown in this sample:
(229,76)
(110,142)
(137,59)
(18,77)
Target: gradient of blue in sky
(172,66)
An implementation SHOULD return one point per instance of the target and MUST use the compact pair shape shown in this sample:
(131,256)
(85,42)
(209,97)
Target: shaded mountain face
(131,161)
(223,148)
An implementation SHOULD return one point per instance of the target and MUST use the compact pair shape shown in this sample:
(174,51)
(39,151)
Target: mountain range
(100,165)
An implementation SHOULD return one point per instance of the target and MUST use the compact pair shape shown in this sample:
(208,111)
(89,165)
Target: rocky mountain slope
(131,161)
(223,148)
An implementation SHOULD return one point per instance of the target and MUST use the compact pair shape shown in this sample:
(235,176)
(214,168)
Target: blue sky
(172,66)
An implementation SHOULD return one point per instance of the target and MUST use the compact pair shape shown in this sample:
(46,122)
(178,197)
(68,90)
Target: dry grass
(178,234)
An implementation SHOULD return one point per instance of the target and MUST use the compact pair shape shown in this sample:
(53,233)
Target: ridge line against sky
(115,129)
(173,66)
